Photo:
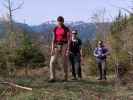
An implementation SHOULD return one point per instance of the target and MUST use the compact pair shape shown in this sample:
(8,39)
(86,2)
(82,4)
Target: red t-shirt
(61,34)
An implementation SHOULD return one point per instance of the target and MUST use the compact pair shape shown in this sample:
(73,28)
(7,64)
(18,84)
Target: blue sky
(38,11)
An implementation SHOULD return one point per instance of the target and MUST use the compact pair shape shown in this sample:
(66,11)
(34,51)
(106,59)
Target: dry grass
(87,89)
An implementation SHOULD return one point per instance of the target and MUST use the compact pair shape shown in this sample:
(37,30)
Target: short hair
(74,32)
(100,42)
(60,19)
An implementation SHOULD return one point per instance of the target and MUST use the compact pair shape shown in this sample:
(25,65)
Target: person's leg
(79,70)
(52,65)
(72,65)
(104,69)
(65,62)
(100,70)
(78,66)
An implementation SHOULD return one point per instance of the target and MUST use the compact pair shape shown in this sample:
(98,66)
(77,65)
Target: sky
(35,12)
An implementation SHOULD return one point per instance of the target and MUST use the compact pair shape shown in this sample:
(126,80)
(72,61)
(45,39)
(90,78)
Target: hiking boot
(51,81)
(105,78)
(80,78)
(65,80)
(74,78)
(99,79)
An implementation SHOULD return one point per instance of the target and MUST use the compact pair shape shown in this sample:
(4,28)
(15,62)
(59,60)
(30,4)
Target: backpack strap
(79,41)
(55,33)
(66,31)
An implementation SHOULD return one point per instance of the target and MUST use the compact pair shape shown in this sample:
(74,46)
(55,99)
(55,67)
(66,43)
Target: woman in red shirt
(60,48)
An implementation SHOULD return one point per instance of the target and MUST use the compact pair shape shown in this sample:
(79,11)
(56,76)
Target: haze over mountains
(86,30)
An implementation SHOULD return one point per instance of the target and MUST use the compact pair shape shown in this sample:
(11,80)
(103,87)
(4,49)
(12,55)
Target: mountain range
(86,30)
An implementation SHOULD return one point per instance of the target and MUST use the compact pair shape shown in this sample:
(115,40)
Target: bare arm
(53,45)
(81,52)
(107,53)
(95,54)
(69,39)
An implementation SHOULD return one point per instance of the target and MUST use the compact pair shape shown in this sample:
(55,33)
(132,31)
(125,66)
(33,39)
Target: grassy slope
(87,89)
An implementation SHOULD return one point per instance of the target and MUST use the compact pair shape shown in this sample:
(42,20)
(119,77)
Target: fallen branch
(17,86)
(130,53)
